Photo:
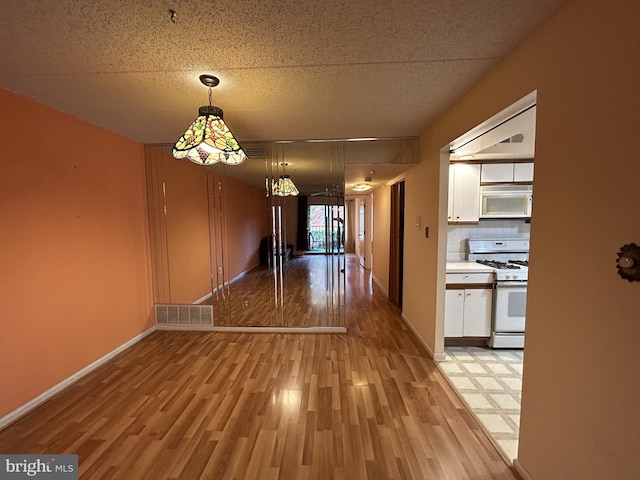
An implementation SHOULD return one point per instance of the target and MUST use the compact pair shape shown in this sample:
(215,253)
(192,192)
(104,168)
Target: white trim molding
(438,358)
(43,397)
(377,282)
(520,470)
(206,328)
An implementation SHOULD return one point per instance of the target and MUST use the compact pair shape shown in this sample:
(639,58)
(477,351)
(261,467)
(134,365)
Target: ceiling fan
(335,190)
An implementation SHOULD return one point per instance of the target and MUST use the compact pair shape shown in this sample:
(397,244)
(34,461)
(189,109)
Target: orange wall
(187,223)
(580,412)
(212,221)
(74,256)
(246,222)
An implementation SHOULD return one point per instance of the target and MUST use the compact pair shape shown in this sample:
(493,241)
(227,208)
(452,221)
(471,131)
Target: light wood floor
(188,405)
(306,291)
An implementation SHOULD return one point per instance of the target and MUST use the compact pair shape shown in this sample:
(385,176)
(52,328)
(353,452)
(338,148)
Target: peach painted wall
(381,232)
(187,224)
(74,257)
(580,408)
(246,222)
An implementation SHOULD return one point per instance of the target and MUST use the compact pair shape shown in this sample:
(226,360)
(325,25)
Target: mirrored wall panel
(262,242)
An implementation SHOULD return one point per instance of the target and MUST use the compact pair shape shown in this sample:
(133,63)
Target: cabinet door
(477,312)
(497,172)
(453,313)
(466,193)
(523,172)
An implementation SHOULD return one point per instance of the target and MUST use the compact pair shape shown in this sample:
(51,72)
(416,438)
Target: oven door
(509,306)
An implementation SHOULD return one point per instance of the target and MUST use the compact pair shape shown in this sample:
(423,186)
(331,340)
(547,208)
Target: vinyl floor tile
(490,383)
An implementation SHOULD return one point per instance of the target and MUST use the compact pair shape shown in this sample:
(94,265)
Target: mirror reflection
(298,280)
(232,237)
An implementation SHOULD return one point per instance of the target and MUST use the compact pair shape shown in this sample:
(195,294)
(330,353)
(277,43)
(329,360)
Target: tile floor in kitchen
(490,382)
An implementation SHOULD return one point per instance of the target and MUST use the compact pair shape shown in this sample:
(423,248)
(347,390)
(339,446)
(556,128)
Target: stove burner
(498,265)
(524,263)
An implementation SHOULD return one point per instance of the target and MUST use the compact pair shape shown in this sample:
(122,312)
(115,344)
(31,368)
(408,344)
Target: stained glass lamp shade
(285,187)
(208,140)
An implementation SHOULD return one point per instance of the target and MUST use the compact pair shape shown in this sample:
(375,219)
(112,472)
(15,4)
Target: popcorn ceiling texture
(289,69)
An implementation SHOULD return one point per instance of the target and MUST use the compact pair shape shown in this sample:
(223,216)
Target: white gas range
(510,260)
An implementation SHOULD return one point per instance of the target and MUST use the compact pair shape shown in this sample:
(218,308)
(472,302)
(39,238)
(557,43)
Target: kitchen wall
(580,395)
(458,235)
(75,280)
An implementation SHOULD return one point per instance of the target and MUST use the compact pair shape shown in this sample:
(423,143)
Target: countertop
(467,267)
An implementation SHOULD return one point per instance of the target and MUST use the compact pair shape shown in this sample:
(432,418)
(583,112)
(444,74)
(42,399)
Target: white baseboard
(203,299)
(380,285)
(439,357)
(226,284)
(43,397)
(520,470)
(208,328)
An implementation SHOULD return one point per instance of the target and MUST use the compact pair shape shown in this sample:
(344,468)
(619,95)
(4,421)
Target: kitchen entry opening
(326,229)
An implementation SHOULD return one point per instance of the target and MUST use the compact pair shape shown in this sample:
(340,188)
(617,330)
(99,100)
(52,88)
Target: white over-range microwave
(505,201)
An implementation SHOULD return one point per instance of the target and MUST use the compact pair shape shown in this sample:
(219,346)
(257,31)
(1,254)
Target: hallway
(187,405)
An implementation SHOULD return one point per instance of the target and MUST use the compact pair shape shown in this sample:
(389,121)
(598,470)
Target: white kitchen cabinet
(506,172)
(523,172)
(468,312)
(464,192)
(468,297)
(453,313)
(497,173)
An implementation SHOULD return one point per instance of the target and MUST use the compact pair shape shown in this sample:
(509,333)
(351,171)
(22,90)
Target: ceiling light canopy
(208,140)
(363,186)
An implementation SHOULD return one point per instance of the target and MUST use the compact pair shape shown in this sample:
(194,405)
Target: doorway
(326,229)
(488,381)
(396,244)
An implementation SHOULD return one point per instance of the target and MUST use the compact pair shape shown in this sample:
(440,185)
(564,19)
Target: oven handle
(510,283)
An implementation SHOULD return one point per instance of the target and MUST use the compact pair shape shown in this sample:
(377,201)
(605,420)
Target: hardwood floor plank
(186,405)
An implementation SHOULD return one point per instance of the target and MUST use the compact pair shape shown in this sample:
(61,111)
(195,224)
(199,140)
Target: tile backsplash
(457,235)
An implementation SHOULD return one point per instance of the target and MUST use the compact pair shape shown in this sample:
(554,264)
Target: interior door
(360,243)
(396,244)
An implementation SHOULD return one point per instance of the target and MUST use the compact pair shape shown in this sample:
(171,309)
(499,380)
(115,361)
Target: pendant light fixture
(284,186)
(364,186)
(208,140)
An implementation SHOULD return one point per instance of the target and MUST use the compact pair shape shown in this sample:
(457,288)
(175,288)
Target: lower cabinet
(468,312)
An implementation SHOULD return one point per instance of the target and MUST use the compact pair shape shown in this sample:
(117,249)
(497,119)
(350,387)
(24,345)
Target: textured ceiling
(289,69)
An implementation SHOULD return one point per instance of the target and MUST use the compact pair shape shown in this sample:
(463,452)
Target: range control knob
(507,276)
(515,276)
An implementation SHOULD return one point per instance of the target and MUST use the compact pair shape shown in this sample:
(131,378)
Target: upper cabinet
(506,172)
(464,192)
(465,180)
(523,172)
